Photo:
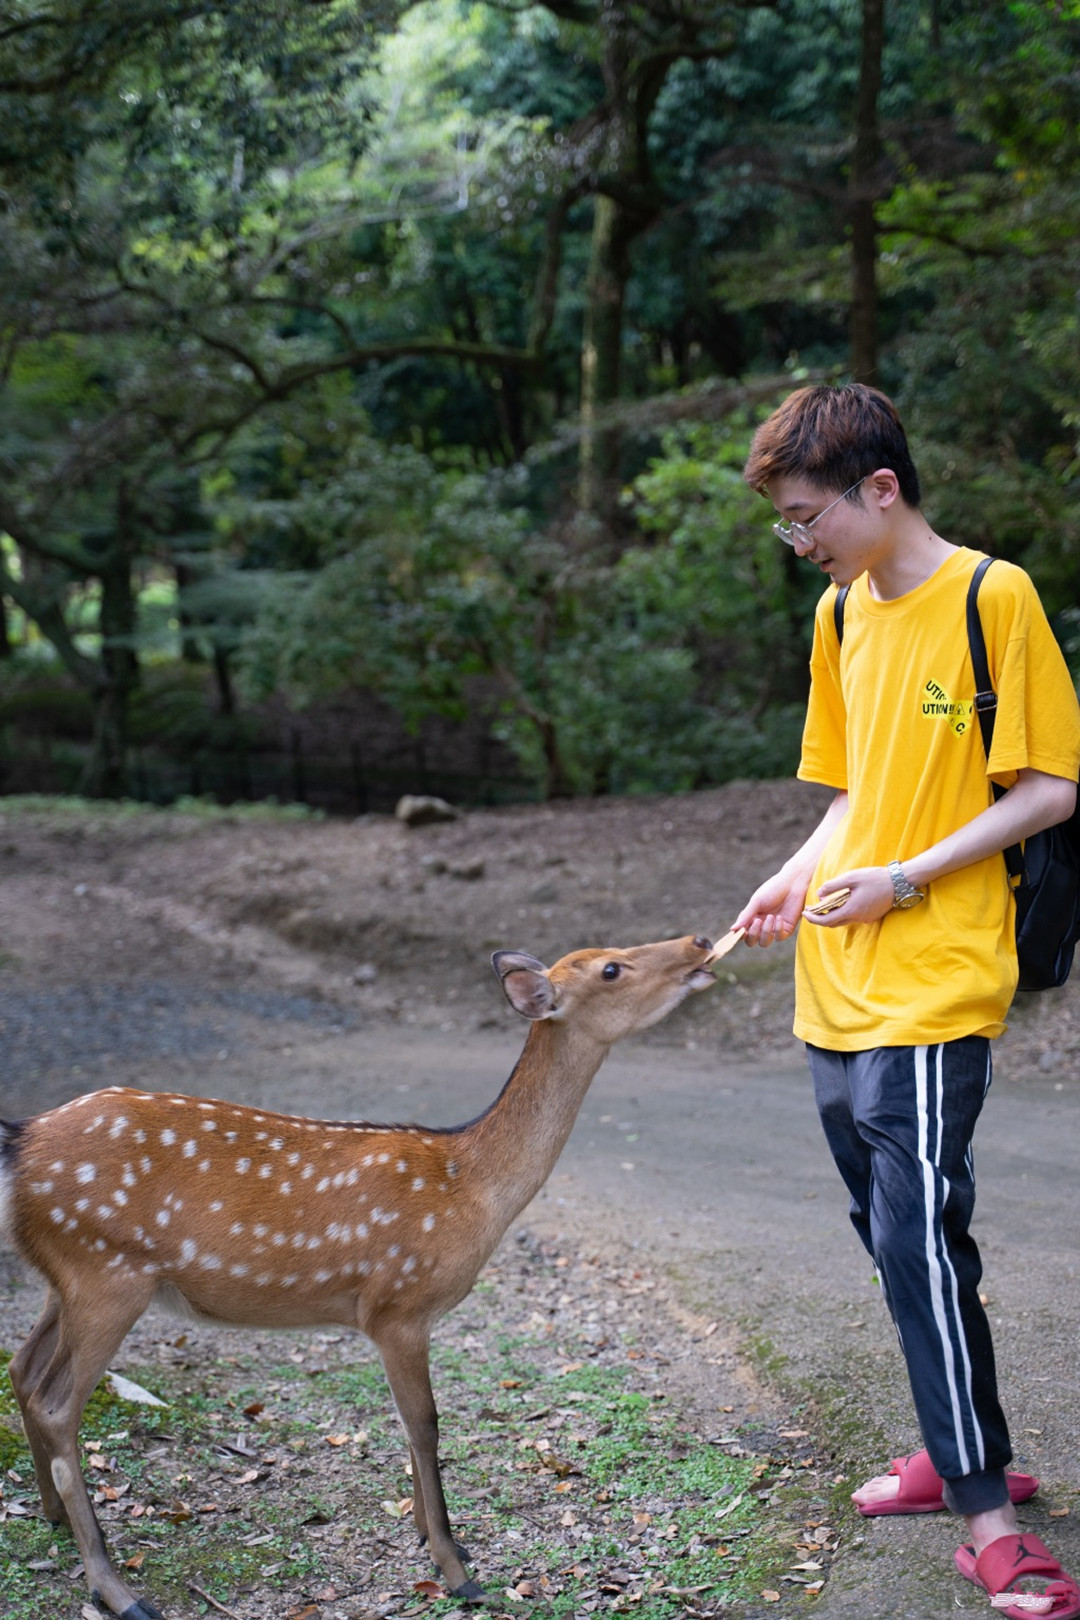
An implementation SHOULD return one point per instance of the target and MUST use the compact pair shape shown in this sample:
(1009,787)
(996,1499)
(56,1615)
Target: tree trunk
(105,774)
(601,358)
(864,184)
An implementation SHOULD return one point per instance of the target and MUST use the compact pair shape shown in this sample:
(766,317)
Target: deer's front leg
(404,1354)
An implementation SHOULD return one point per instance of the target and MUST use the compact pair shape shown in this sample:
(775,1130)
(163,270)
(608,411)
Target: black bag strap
(838,612)
(986,702)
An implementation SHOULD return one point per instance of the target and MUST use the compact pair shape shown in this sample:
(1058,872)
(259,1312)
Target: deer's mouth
(700,978)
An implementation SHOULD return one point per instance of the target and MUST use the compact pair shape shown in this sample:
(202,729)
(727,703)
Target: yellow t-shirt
(890,719)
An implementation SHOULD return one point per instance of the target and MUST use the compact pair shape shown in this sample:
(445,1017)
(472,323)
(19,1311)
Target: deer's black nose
(702,943)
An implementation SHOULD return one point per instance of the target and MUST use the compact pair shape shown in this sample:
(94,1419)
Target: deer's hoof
(143,1610)
(470,1592)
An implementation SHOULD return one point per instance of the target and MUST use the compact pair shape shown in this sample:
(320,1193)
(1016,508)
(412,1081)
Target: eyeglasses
(802,532)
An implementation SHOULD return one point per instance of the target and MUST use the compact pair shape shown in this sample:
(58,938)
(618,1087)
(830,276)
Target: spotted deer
(125,1197)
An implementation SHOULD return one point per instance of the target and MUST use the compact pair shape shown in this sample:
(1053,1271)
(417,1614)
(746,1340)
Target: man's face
(841,537)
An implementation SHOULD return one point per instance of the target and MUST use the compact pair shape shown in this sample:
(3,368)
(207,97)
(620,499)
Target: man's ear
(884,486)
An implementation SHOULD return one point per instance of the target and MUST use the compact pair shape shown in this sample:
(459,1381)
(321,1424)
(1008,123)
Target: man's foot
(912,1485)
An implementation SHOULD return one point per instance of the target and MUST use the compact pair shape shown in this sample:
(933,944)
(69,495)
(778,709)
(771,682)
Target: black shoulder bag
(1044,872)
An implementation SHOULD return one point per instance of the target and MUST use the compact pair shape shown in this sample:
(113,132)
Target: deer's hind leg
(54,1375)
(26,1370)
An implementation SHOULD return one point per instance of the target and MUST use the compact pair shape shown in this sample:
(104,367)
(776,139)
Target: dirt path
(342,969)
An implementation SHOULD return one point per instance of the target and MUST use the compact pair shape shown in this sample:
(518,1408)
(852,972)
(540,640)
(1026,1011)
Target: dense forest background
(382,374)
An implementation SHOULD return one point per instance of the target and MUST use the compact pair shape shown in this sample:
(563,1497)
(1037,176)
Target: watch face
(909,900)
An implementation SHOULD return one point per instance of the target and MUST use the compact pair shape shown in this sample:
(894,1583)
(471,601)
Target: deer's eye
(610,970)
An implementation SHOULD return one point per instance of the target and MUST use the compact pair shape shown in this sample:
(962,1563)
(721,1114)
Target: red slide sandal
(1021,1559)
(920,1488)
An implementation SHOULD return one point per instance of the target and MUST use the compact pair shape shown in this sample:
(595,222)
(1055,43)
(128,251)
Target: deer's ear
(525,984)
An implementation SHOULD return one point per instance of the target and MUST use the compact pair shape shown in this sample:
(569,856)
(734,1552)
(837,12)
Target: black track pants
(899,1121)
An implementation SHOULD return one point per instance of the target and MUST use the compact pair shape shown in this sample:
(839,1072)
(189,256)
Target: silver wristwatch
(905,894)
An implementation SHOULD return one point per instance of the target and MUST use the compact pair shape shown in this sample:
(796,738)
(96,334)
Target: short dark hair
(832,437)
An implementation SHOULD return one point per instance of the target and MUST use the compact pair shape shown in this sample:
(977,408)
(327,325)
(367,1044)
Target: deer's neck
(518,1140)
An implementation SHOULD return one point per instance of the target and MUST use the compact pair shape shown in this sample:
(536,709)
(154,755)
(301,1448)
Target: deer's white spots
(163,1217)
(383,1158)
(140,1136)
(307,1172)
(290,1280)
(452,1168)
(146,1165)
(401,1167)
(243,1166)
(262,1279)
(428,1222)
(292,1158)
(409,1265)
(168,1137)
(216,1206)
(118,1126)
(210,1262)
(238,1226)
(285,1189)
(204,1164)
(190,1149)
(128,1178)
(56,1166)
(279,1240)
(276,1144)
(418,1184)
(207,1107)
(238,1271)
(265,1172)
(188,1250)
(230,1136)
(85,1173)
(150,1268)
(105,1211)
(361,1230)
(39,1188)
(299,1239)
(57,1215)
(82,1204)
(323,1184)
(394,1250)
(323,1276)
(209,1124)
(120,1196)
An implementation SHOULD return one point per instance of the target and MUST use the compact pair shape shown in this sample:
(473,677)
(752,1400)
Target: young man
(901,987)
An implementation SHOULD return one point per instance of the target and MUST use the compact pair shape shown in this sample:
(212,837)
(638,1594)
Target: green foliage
(268,275)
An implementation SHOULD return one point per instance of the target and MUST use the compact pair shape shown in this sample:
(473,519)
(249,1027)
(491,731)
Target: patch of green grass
(524,1445)
(71,805)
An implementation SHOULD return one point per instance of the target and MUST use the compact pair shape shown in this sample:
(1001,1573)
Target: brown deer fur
(126,1197)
